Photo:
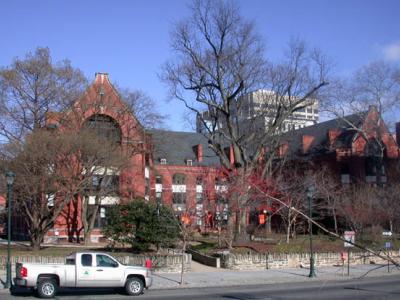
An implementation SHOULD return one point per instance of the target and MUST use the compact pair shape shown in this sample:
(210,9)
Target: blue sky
(130,39)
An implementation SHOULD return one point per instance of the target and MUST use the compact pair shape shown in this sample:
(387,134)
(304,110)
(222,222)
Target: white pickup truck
(83,270)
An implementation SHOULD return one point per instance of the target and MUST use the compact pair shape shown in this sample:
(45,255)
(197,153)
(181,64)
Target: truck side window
(86,260)
(105,261)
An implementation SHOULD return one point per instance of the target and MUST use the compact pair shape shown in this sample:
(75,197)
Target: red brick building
(179,169)
(172,168)
(356,148)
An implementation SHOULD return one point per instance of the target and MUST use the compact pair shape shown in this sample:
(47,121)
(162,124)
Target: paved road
(366,288)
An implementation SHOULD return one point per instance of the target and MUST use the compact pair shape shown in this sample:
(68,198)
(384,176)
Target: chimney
(332,135)
(231,155)
(101,77)
(282,150)
(307,141)
(52,119)
(198,149)
(398,133)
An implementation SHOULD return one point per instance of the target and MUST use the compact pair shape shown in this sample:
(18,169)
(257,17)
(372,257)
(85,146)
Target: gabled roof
(177,147)
(320,134)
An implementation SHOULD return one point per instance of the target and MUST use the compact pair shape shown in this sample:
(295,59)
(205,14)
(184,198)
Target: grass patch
(205,247)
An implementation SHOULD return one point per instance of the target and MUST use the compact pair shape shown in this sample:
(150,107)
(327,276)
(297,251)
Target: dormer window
(163,161)
(189,162)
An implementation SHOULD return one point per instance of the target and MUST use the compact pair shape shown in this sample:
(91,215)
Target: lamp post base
(7,284)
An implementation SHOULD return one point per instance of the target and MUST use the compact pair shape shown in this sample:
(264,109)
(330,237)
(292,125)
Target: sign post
(388,245)
(350,237)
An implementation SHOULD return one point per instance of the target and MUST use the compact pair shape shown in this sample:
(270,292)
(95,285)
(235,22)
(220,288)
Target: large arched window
(105,127)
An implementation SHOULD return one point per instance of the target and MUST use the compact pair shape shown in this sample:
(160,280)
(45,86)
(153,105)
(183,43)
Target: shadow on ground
(25,292)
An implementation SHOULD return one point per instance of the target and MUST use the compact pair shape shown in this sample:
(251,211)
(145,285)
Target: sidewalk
(204,276)
(222,277)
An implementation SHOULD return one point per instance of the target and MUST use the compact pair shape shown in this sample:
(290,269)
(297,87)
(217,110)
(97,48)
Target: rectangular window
(179,198)
(199,198)
(370,166)
(86,260)
(105,261)
(107,184)
(147,187)
(189,162)
(100,220)
(345,178)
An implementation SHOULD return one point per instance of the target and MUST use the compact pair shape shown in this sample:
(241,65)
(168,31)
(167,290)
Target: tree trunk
(219,236)
(36,241)
(288,233)
(230,232)
(183,259)
(86,237)
(293,233)
(241,223)
(335,220)
(268,220)
(288,227)
(88,219)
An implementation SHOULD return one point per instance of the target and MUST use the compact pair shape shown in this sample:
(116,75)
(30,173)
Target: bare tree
(329,191)
(292,185)
(360,207)
(376,86)
(143,107)
(219,59)
(384,256)
(39,96)
(29,89)
(48,176)
(32,87)
(389,206)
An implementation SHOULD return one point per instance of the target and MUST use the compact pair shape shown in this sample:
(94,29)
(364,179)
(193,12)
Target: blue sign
(388,245)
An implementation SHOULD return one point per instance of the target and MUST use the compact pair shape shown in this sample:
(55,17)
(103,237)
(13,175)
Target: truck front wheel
(134,286)
(47,288)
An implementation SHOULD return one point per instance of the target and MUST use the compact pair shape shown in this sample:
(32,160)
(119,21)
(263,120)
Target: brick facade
(179,169)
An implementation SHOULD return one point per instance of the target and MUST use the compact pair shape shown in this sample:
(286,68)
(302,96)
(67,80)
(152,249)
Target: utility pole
(10,180)
(310,195)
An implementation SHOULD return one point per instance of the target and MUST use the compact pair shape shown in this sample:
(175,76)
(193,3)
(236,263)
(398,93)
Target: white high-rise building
(259,109)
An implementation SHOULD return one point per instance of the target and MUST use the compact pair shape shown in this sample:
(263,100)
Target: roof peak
(101,77)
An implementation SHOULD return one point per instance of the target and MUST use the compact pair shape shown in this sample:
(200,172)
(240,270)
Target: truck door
(86,270)
(108,271)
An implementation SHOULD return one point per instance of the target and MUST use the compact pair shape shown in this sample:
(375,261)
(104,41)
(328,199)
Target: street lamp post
(10,180)
(310,194)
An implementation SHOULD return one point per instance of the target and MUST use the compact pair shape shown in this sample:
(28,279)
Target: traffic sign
(350,237)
